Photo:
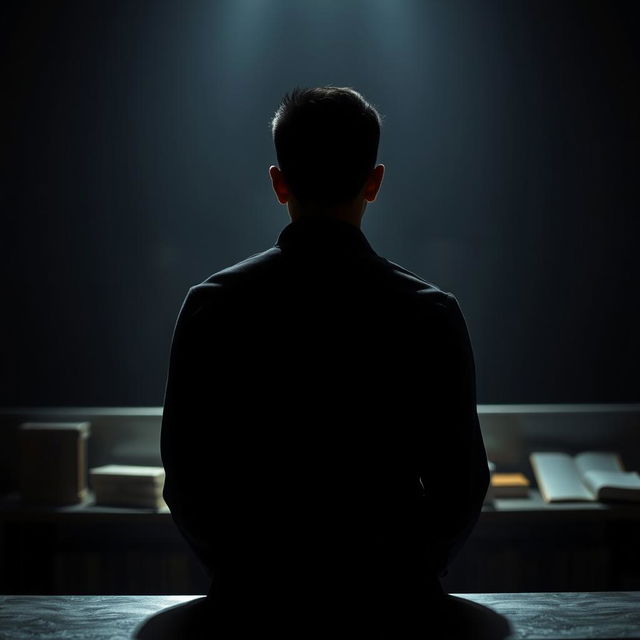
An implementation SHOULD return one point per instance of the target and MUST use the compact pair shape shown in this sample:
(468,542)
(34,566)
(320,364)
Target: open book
(592,475)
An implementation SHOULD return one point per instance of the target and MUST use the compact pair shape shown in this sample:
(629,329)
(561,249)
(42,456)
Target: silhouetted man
(320,436)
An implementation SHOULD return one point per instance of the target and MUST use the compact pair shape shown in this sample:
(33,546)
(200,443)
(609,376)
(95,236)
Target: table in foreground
(552,616)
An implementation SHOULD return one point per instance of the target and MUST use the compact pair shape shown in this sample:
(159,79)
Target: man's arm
(184,437)
(456,475)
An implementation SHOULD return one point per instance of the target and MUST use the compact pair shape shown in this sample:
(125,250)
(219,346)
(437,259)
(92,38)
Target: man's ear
(279,185)
(372,185)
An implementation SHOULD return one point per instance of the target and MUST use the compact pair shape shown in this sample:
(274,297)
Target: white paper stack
(118,485)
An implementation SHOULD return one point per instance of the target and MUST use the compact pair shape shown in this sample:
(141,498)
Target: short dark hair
(326,141)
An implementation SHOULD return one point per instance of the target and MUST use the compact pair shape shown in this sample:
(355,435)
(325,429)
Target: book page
(558,478)
(613,484)
(598,461)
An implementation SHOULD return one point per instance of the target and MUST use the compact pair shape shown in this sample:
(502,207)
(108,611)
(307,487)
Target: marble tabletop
(529,615)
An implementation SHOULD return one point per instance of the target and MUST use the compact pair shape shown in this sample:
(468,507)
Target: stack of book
(506,485)
(117,485)
(509,485)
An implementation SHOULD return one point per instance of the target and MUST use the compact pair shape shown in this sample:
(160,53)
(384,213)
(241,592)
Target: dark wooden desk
(531,616)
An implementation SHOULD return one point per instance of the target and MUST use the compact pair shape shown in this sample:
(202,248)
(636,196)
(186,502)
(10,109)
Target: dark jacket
(320,420)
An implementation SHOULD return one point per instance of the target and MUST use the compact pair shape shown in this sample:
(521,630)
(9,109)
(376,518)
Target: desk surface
(553,616)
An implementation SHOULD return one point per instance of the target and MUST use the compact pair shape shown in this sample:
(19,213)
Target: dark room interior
(137,141)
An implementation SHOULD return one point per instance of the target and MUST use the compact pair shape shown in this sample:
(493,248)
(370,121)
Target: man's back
(314,389)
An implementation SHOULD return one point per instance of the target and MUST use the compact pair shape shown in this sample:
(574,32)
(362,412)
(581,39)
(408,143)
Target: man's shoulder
(415,287)
(228,281)
(244,271)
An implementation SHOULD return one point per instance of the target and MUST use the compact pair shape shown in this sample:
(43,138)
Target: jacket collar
(323,233)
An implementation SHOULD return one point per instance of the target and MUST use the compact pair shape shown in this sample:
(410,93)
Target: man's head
(326,141)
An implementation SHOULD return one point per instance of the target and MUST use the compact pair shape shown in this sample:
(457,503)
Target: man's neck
(351,214)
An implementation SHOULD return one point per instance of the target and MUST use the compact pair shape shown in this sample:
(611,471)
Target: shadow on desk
(456,619)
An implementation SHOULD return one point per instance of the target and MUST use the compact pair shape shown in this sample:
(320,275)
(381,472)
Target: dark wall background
(135,154)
